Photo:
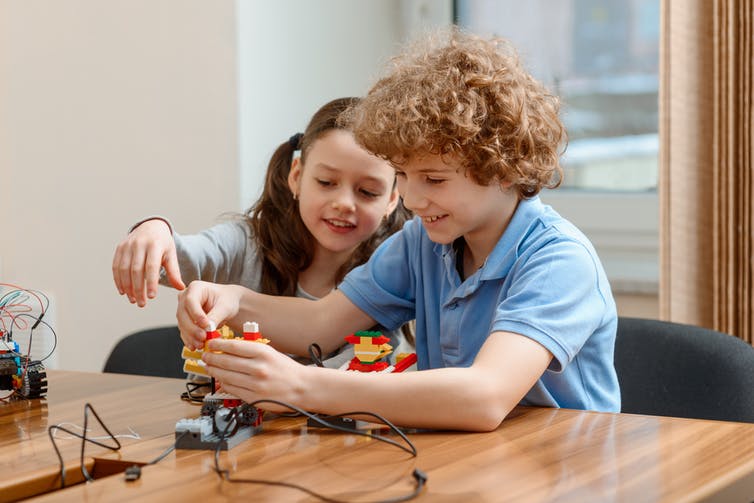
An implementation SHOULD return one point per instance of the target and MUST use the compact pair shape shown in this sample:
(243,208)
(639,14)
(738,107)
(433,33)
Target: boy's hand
(253,371)
(202,304)
(138,259)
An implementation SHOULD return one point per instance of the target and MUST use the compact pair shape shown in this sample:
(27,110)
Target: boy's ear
(294,177)
(505,184)
(393,203)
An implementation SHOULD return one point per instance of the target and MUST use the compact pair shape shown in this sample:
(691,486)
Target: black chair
(672,369)
(151,352)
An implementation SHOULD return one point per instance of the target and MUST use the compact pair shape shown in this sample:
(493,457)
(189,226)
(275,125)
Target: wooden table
(535,455)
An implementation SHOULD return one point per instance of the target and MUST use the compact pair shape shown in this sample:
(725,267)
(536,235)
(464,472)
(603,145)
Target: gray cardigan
(227,253)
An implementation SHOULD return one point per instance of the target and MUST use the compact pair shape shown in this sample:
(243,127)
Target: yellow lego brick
(194,367)
(186,353)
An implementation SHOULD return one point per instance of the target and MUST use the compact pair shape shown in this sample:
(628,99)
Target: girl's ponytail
(285,245)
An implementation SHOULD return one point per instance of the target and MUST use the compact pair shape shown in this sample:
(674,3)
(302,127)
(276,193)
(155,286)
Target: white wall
(109,110)
(113,110)
(295,55)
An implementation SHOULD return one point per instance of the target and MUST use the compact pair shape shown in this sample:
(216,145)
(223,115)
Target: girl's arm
(216,254)
(476,398)
(220,254)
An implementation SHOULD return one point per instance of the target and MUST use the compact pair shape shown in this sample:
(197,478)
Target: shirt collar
(505,252)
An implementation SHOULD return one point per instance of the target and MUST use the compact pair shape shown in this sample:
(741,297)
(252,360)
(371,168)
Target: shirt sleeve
(216,254)
(384,287)
(555,298)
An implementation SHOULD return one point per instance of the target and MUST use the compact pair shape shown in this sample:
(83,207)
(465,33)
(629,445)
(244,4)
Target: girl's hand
(202,305)
(138,260)
(253,371)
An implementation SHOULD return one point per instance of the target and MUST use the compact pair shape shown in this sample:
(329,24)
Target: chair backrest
(151,352)
(671,369)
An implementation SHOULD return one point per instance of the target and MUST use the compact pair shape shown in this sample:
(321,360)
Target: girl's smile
(343,191)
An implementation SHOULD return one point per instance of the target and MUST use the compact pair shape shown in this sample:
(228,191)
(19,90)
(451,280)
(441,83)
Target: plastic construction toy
(194,363)
(371,346)
(24,377)
(206,431)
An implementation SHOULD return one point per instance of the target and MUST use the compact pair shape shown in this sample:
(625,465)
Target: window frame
(623,226)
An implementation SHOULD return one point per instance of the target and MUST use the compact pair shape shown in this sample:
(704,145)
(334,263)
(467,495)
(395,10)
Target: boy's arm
(291,323)
(476,398)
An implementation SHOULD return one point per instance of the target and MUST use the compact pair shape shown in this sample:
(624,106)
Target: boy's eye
(434,180)
(400,174)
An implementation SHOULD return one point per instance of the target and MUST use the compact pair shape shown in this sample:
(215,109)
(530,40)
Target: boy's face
(452,205)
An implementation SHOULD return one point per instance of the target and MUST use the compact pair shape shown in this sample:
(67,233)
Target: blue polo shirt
(543,280)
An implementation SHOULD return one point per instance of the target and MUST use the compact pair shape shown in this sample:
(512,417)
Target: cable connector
(132,473)
(420,476)
(39,320)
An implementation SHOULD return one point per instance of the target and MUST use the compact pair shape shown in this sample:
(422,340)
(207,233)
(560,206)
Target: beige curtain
(706,179)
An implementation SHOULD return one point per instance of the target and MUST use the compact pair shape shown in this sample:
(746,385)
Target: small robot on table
(19,374)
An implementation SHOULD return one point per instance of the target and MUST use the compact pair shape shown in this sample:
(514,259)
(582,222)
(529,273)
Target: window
(602,58)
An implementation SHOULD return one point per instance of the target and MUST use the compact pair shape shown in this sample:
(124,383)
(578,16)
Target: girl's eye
(369,194)
(324,183)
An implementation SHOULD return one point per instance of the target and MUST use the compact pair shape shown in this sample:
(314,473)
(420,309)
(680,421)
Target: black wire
(418,475)
(54,341)
(191,387)
(410,449)
(31,334)
(315,353)
(87,407)
(168,450)
(47,301)
(83,438)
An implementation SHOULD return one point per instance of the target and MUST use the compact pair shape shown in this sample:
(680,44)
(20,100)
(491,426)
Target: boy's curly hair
(467,98)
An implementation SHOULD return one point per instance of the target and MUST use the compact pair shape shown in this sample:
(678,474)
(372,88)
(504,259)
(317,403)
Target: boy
(510,300)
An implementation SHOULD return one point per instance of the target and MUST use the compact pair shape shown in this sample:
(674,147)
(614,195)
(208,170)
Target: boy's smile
(452,205)
(431,220)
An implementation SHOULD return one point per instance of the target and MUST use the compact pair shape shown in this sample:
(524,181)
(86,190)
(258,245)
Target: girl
(320,215)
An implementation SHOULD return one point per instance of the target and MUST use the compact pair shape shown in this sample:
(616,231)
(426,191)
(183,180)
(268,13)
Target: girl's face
(343,191)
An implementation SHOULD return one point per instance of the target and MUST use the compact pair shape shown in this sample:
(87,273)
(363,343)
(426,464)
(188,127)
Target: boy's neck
(477,247)
(465,264)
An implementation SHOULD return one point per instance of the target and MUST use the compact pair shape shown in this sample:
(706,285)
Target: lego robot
(23,377)
(369,347)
